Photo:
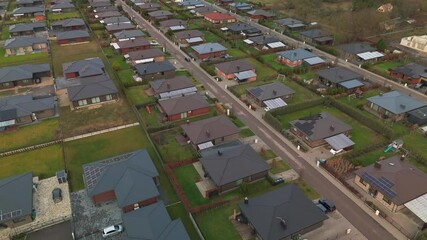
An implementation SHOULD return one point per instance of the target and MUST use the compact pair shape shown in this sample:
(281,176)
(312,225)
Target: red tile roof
(218,16)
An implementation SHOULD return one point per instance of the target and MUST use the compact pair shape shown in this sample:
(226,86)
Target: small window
(363,182)
(95,100)
(82,102)
(387,200)
(6,84)
(109,97)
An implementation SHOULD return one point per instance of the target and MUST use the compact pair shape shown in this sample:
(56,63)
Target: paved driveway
(59,231)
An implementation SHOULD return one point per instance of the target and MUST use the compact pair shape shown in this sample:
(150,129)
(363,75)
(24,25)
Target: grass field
(60,16)
(178,211)
(125,77)
(170,149)
(5,33)
(43,162)
(383,67)
(35,58)
(138,96)
(263,72)
(246,132)
(278,166)
(41,132)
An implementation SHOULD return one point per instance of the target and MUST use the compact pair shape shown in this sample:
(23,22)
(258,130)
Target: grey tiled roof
(188,34)
(234,66)
(23,27)
(160,13)
(119,26)
(270,91)
(413,70)
(356,47)
(261,12)
(64,5)
(23,41)
(94,86)
(172,22)
(22,72)
(86,67)
(154,67)
(208,48)
(396,102)
(115,20)
(129,34)
(25,105)
(338,74)
(24,10)
(296,54)
(183,104)
(72,34)
(172,84)
(70,22)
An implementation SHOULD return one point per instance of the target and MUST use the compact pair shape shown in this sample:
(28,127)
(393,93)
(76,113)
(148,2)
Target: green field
(35,58)
(263,72)
(138,96)
(60,16)
(170,149)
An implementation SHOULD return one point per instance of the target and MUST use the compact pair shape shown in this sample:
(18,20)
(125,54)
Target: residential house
(183,107)
(191,4)
(146,56)
(29,12)
(149,7)
(92,90)
(290,24)
(173,25)
(155,70)
(99,4)
(107,14)
(340,77)
(113,28)
(230,166)
(126,35)
(267,94)
(239,70)
(418,116)
(219,18)
(16,203)
(240,6)
(418,43)
(209,50)
(317,36)
(23,75)
(265,42)
(3,8)
(359,51)
(392,105)
(412,73)
(153,222)
(104,9)
(72,37)
(189,37)
(261,14)
(299,57)
(25,45)
(282,213)
(160,15)
(173,87)
(131,179)
(28,3)
(62,7)
(53,2)
(392,183)
(243,29)
(68,24)
(25,109)
(124,47)
(84,68)
(115,20)
(314,129)
(199,11)
(26,29)
(211,131)
(224,2)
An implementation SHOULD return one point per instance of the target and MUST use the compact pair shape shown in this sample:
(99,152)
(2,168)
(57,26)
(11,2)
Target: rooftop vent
(282,222)
(332,128)
(274,92)
(403,106)
(377,165)
(246,200)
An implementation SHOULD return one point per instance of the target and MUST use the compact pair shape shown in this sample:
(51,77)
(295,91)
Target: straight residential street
(353,209)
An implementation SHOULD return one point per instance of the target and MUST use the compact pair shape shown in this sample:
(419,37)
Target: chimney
(377,165)
(402,157)
(246,200)
(403,106)
(219,153)
(211,49)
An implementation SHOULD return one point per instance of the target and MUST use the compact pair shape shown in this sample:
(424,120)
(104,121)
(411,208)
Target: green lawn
(278,166)
(268,154)
(178,211)
(415,142)
(244,133)
(383,67)
(43,162)
(187,177)
(354,102)
(170,149)
(138,96)
(307,75)
(270,59)
(263,72)
(120,60)
(153,118)
(126,77)
(44,131)
(237,122)
(56,17)
(360,134)
(11,6)
(5,33)
(35,58)
(371,157)
(210,37)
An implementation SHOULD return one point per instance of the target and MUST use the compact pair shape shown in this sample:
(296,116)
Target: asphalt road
(360,219)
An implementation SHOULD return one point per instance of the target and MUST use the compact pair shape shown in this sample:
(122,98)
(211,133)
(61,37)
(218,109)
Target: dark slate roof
(85,68)
(188,34)
(154,67)
(315,33)
(100,4)
(94,86)
(16,196)
(270,91)
(27,1)
(208,129)
(420,113)
(205,9)
(320,126)
(241,5)
(24,10)
(23,41)
(172,84)
(104,9)
(296,54)
(172,22)
(160,13)
(70,22)
(63,5)
(338,74)
(356,47)
(137,42)
(115,20)
(144,54)
(264,39)
(208,48)
(129,34)
(191,3)
(261,12)
(23,27)
(119,27)
(129,175)
(396,179)
(233,163)
(153,222)
(107,14)
(21,72)
(25,105)
(413,70)
(72,34)
(239,27)
(396,102)
(149,5)
(290,204)
(8,114)
(288,21)
(234,66)
(182,104)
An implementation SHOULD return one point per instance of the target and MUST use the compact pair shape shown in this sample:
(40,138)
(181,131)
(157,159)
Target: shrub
(115,66)
(274,122)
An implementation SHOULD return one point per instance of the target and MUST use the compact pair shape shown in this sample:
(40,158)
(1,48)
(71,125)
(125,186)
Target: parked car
(154,43)
(321,208)
(112,231)
(330,206)
(187,59)
(57,195)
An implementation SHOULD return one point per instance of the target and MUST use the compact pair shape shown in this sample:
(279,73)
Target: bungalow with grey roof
(299,57)
(28,3)
(99,4)
(261,14)
(124,47)
(28,12)
(62,7)
(317,36)
(183,107)
(53,2)
(107,14)
(131,179)
(23,75)
(264,94)
(68,24)
(173,87)
(240,6)
(360,51)
(115,20)
(113,28)
(128,35)
(155,70)
(26,29)
(418,116)
(243,29)
(25,45)
(265,42)
(191,4)
(149,7)
(290,24)
(189,37)
(72,37)
(340,77)
(159,15)
(209,50)
(392,105)
(314,130)
(412,73)
(83,68)
(173,25)
(146,56)
(202,10)
(104,9)
(239,70)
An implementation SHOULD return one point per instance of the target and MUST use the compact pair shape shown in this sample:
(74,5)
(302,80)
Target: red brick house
(131,45)
(412,73)
(209,50)
(219,18)
(184,107)
(131,179)
(239,70)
